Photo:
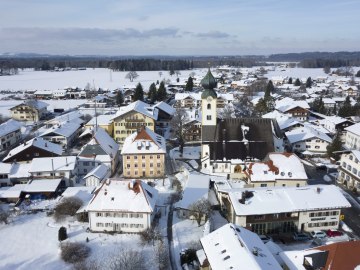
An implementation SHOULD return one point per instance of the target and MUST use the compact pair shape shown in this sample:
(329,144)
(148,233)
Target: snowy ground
(190,152)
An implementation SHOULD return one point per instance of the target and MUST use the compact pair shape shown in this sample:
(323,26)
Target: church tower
(208,100)
(208,117)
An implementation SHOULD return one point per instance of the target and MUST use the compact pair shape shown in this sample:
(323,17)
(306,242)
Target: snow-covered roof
(140,107)
(67,117)
(102,138)
(234,247)
(47,164)
(101,172)
(165,107)
(5,168)
(288,199)
(37,104)
(333,119)
(196,188)
(294,259)
(36,142)
(20,170)
(284,105)
(102,119)
(66,129)
(42,185)
(124,196)
(304,133)
(355,129)
(144,142)
(83,193)
(9,126)
(280,166)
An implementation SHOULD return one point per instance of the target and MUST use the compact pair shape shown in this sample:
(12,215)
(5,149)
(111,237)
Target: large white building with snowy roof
(122,206)
(285,209)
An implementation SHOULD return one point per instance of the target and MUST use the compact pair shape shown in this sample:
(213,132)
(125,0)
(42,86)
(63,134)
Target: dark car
(301,236)
(333,233)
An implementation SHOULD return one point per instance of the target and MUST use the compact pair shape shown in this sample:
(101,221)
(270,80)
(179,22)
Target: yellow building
(30,110)
(103,121)
(131,118)
(143,154)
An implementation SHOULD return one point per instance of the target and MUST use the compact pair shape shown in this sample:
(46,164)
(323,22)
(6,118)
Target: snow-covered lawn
(190,152)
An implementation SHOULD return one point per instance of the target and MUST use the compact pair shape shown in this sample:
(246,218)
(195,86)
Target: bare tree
(132,75)
(162,256)
(67,207)
(150,234)
(72,252)
(177,125)
(177,73)
(127,259)
(200,210)
(227,112)
(160,73)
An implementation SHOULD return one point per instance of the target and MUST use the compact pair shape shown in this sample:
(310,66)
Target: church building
(228,143)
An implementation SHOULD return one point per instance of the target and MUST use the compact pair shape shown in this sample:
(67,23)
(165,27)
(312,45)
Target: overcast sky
(183,27)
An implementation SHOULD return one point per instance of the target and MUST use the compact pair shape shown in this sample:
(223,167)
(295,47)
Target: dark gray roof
(90,150)
(226,139)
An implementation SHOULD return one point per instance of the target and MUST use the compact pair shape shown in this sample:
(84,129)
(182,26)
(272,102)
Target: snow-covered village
(195,136)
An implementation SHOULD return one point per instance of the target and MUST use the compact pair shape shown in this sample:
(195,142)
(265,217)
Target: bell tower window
(208,117)
(209,106)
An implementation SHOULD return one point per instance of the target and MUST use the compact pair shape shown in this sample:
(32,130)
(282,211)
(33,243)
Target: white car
(318,234)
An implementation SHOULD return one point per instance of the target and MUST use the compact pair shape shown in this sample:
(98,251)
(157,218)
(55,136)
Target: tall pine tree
(346,109)
(334,146)
(139,93)
(119,98)
(297,82)
(152,95)
(270,89)
(161,93)
(308,82)
(189,85)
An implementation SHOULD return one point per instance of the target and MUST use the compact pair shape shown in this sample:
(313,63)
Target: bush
(67,207)
(4,216)
(62,234)
(150,234)
(74,252)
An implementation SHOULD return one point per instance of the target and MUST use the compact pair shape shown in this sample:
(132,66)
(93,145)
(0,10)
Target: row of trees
(345,110)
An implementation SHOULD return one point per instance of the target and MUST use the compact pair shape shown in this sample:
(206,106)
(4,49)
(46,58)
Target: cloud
(213,34)
(85,34)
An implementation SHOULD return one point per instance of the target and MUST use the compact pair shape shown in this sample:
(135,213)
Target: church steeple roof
(209,83)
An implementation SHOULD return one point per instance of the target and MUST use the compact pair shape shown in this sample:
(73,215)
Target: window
(158,165)
(208,117)
(317,147)
(143,157)
(349,167)
(135,157)
(209,106)
(344,164)
(263,185)
(98,214)
(151,157)
(158,156)
(127,157)
(351,157)
(99,224)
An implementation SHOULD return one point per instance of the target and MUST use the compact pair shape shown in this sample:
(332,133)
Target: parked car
(301,236)
(333,233)
(265,238)
(318,234)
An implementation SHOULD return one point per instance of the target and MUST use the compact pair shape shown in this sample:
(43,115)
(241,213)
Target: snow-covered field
(98,78)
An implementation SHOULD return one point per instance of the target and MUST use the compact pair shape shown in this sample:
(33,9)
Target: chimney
(46,144)
(67,164)
(224,142)
(255,251)
(318,190)
(105,192)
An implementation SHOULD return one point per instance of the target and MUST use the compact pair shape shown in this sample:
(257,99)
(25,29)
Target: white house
(10,134)
(352,137)
(234,247)
(96,175)
(285,209)
(122,206)
(309,139)
(349,169)
(64,167)
(63,134)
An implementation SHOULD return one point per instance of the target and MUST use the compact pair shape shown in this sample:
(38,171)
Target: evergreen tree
(335,145)
(189,84)
(62,235)
(261,107)
(335,110)
(269,89)
(346,109)
(308,82)
(119,98)
(152,95)
(358,73)
(290,81)
(139,93)
(319,106)
(297,82)
(161,93)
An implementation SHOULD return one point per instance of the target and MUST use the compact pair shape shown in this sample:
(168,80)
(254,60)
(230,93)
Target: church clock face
(209,99)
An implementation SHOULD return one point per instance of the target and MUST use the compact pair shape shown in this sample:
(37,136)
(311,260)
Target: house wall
(144,165)
(108,128)
(319,220)
(205,158)
(313,145)
(129,123)
(119,221)
(349,171)
(280,183)
(10,139)
(26,113)
(352,141)
(67,176)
